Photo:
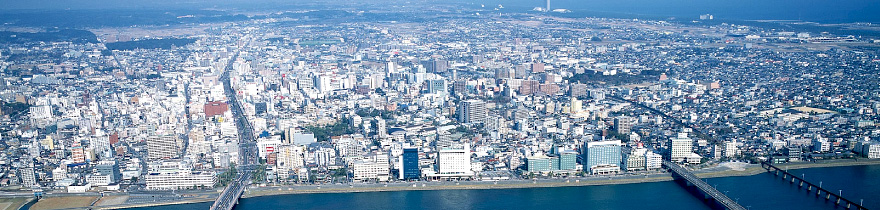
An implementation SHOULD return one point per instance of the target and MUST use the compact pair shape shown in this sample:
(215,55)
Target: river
(762,191)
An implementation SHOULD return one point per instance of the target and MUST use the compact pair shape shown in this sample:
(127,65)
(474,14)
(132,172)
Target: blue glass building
(409,167)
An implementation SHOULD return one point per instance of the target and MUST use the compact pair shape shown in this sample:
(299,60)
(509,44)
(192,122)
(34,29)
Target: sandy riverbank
(63,202)
(723,170)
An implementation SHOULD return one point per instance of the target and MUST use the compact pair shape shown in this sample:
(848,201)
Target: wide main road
(246,145)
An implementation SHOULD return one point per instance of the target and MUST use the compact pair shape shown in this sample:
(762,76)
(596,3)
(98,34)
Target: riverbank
(755,169)
(12,203)
(723,170)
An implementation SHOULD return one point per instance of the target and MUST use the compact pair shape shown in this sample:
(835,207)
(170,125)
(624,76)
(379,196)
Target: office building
(472,111)
(162,147)
(409,164)
(680,148)
(623,124)
(455,160)
(374,167)
(110,168)
(602,157)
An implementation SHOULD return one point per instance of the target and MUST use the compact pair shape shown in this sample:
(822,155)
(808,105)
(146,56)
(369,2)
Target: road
(246,145)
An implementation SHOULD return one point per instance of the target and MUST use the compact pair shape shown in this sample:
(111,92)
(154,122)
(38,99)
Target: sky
(810,10)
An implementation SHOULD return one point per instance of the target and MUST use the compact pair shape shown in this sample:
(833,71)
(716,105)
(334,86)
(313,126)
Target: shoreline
(749,170)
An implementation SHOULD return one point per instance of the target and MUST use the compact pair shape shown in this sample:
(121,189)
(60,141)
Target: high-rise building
(409,164)
(215,108)
(77,153)
(623,124)
(578,90)
(567,160)
(381,127)
(730,149)
(390,68)
(455,160)
(162,147)
(28,178)
(794,153)
(680,147)
(602,157)
(537,67)
(289,158)
(436,86)
(538,164)
(472,111)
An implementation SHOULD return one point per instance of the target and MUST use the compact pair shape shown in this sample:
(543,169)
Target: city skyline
(225,102)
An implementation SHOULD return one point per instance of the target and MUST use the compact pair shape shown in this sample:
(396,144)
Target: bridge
(229,197)
(710,193)
(838,199)
(247,148)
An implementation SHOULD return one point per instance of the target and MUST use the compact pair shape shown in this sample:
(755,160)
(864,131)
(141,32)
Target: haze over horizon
(807,10)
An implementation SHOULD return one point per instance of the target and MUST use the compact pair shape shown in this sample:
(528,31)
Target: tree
(259,175)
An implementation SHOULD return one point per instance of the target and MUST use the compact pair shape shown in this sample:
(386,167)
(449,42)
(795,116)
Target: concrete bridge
(710,194)
(804,184)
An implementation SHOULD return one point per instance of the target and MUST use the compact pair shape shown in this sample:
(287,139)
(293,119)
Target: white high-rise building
(381,127)
(290,158)
(455,160)
(472,111)
(162,147)
(390,68)
(730,149)
(680,147)
(653,161)
(602,157)
(28,178)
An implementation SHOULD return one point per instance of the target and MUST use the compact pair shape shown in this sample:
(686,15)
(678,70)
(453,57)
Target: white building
(172,175)
(680,147)
(472,111)
(28,178)
(180,180)
(821,144)
(653,161)
(870,149)
(162,147)
(455,160)
(730,149)
(100,179)
(373,167)
(290,158)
